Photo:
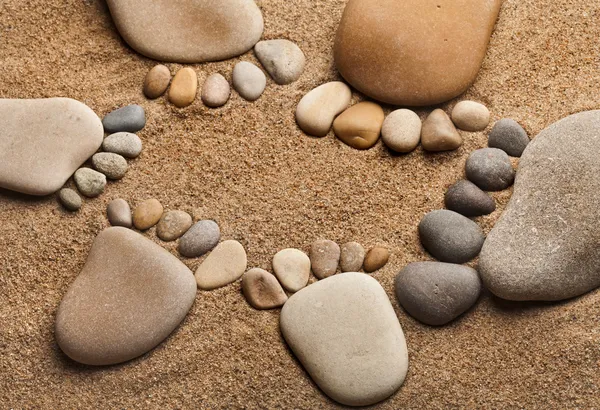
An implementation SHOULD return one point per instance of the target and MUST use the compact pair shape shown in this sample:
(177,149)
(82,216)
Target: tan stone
(360,125)
(119,213)
(352,257)
(376,259)
(184,87)
(401,130)
(470,116)
(147,214)
(157,81)
(173,225)
(439,133)
(318,108)
(324,258)
(292,268)
(224,265)
(262,290)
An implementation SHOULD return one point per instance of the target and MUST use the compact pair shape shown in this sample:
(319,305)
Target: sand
(269,186)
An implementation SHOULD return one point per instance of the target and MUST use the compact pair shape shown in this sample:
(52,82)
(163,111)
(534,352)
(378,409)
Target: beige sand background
(269,186)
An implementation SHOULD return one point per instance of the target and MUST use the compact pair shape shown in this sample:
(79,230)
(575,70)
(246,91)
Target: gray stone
(70,199)
(490,169)
(110,164)
(508,136)
(199,239)
(545,245)
(467,199)
(123,143)
(292,268)
(119,213)
(89,182)
(324,258)
(283,60)
(248,80)
(352,257)
(224,265)
(345,332)
(130,118)
(450,237)
(173,225)
(436,293)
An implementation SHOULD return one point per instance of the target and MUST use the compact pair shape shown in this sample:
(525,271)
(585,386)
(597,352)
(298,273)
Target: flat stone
(184,87)
(119,213)
(90,183)
(123,143)
(467,199)
(147,214)
(317,109)
(545,245)
(376,258)
(188,31)
(360,125)
(215,91)
(200,238)
(450,237)
(324,258)
(249,80)
(157,81)
(508,136)
(439,133)
(110,164)
(224,265)
(292,268)
(130,118)
(352,257)
(436,293)
(345,332)
(173,224)
(262,290)
(69,199)
(401,130)
(283,60)
(470,116)
(130,295)
(43,142)
(490,169)
(413,52)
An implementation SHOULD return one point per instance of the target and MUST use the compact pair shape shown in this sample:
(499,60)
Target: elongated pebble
(126,144)
(292,268)
(262,290)
(183,87)
(318,108)
(157,81)
(119,213)
(70,199)
(215,91)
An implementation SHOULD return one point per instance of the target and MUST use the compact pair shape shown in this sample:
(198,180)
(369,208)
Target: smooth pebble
(352,256)
(470,116)
(215,91)
(376,258)
(126,144)
(224,265)
(508,136)
(157,81)
(183,87)
(119,213)
(324,258)
(89,182)
(70,199)
(200,238)
(283,60)
(490,169)
(262,290)
(130,118)
(439,133)
(147,214)
(319,107)
(360,125)
(110,164)
(248,80)
(292,268)
(468,199)
(173,224)
(401,130)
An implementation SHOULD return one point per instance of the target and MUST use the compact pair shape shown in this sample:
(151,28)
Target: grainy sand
(269,186)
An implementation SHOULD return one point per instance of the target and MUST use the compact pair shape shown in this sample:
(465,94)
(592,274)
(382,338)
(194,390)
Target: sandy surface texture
(269,186)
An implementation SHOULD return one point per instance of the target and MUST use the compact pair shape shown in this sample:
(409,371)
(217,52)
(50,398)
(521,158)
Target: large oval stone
(130,295)
(188,31)
(44,141)
(345,332)
(413,52)
(546,245)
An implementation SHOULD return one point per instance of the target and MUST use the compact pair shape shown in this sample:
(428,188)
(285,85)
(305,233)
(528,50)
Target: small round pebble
(130,118)
(450,237)
(360,125)
(438,133)
(467,199)
(352,257)
(376,259)
(89,182)
(147,214)
(470,116)
(110,164)
(126,144)
(215,91)
(173,225)
(283,60)
(249,80)
(183,87)
(119,213)
(490,169)
(262,290)
(200,238)
(70,199)
(401,131)
(292,268)
(324,258)
(508,136)
(157,81)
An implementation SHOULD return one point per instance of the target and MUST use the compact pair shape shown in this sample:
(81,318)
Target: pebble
(508,136)
(360,125)
(317,109)
(413,54)
(123,143)
(249,80)
(439,133)
(352,257)
(470,116)
(130,295)
(70,199)
(262,290)
(450,237)
(215,91)
(467,199)
(147,214)
(292,268)
(376,259)
(401,130)
(200,238)
(490,169)
(188,31)
(90,183)
(184,87)
(345,333)
(224,265)
(119,213)
(172,225)
(545,246)
(436,293)
(324,258)
(48,139)
(283,60)
(157,81)
(130,118)
(110,164)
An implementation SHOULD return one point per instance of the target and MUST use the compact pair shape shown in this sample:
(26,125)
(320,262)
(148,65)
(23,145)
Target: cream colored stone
(401,130)
(224,265)
(317,109)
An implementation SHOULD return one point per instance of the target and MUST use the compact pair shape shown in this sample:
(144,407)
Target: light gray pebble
(70,199)
(112,165)
(89,182)
(283,60)
(249,80)
(199,239)
(123,143)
